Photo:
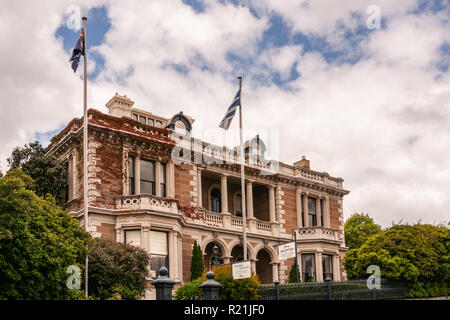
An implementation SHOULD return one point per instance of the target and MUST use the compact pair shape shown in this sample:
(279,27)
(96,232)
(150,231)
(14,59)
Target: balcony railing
(317,233)
(146,202)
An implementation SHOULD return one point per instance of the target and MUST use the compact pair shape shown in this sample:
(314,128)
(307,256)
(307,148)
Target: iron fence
(343,290)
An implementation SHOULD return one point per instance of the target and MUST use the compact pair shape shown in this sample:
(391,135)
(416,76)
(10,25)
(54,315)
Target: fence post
(163,285)
(277,290)
(374,294)
(328,282)
(210,287)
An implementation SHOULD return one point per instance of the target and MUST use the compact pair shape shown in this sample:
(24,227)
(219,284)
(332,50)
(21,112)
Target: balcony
(146,202)
(317,233)
(230,222)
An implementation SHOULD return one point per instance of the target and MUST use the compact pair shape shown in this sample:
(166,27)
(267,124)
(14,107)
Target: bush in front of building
(418,255)
(197,262)
(293,273)
(117,269)
(242,289)
(189,291)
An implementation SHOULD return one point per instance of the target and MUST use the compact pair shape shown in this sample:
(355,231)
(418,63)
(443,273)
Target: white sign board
(286,250)
(241,270)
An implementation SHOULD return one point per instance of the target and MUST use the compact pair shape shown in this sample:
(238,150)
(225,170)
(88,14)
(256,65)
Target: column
(137,174)
(305,209)
(171,180)
(180,258)
(158,179)
(146,238)
(173,254)
(318,212)
(272,204)
(199,187)
(224,193)
(298,204)
(319,276)
(274,271)
(336,268)
(326,211)
(249,197)
(118,235)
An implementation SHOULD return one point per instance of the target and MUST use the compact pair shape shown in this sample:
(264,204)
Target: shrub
(242,289)
(117,269)
(189,291)
(197,262)
(293,273)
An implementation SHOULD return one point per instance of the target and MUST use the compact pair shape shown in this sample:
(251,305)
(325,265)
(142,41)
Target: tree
(416,254)
(293,273)
(358,228)
(38,242)
(49,174)
(117,269)
(197,262)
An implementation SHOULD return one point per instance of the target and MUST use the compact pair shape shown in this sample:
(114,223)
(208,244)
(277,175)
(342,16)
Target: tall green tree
(358,228)
(293,273)
(49,174)
(197,262)
(38,242)
(416,254)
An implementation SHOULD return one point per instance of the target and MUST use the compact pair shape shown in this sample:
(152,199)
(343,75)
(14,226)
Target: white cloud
(381,123)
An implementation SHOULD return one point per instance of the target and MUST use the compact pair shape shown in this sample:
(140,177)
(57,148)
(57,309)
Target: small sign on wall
(286,250)
(241,270)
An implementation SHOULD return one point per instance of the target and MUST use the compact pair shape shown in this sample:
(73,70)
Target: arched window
(215,200)
(238,205)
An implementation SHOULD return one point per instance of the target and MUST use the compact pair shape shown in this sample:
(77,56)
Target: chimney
(120,106)
(304,163)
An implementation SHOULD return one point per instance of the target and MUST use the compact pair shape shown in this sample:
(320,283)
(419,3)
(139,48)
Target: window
(150,122)
(142,119)
(327,266)
(159,253)
(308,267)
(215,200)
(163,179)
(133,237)
(238,205)
(312,217)
(158,123)
(135,117)
(147,177)
(131,175)
(321,212)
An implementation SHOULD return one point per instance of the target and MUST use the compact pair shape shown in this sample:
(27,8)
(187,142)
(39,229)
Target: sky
(362,100)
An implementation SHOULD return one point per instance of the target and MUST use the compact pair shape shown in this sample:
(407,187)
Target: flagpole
(244,212)
(85,156)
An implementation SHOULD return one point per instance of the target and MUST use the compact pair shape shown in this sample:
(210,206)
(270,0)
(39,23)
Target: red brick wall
(182,184)
(107,231)
(334,213)
(187,244)
(290,210)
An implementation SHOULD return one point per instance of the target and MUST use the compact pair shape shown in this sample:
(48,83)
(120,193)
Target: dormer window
(150,122)
(135,117)
(142,119)
(158,123)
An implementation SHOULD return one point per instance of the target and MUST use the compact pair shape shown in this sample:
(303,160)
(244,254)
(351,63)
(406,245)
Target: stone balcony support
(224,193)
(272,204)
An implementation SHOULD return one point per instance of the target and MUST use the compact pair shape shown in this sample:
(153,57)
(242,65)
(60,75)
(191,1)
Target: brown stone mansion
(139,195)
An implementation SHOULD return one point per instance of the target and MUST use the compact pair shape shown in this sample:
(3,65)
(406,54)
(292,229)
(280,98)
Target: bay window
(159,252)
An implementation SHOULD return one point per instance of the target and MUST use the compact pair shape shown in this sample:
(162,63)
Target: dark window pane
(147,187)
(215,200)
(308,267)
(135,117)
(327,266)
(142,119)
(147,170)
(150,122)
